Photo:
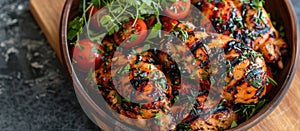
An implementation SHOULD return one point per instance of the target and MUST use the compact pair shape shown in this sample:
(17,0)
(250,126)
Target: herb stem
(89,20)
(129,13)
(137,15)
(114,17)
(122,13)
(84,16)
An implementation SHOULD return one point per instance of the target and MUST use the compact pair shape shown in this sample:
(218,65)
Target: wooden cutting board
(286,115)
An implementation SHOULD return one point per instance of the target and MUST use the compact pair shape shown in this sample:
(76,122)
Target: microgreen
(158,115)
(256,4)
(75,27)
(233,124)
(248,110)
(118,12)
(184,126)
(155,31)
(272,81)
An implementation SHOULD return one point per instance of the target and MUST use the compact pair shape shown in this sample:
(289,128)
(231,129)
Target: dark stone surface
(35,91)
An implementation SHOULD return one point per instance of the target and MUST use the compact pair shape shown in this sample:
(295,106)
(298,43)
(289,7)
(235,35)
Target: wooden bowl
(279,9)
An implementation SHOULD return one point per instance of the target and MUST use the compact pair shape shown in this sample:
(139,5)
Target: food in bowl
(220,62)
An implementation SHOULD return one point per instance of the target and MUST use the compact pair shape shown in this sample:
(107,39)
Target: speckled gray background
(35,91)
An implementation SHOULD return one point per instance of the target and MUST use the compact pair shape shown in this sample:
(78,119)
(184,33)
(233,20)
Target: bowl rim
(271,105)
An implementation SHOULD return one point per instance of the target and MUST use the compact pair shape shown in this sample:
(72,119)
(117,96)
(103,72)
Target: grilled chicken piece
(246,79)
(220,56)
(219,120)
(140,86)
(243,21)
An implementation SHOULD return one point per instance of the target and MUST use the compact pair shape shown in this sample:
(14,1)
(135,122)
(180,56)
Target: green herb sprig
(184,126)
(121,10)
(248,110)
(256,4)
(75,27)
(118,12)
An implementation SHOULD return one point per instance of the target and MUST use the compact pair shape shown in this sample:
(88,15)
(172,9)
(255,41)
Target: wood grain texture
(286,115)
(48,15)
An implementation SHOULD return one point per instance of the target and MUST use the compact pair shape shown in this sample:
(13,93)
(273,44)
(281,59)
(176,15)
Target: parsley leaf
(74,28)
(145,48)
(96,3)
(156,30)
(256,4)
(133,37)
(158,115)
(233,124)
(248,110)
(184,126)
(272,81)
(148,2)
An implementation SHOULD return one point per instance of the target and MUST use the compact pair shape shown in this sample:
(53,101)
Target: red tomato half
(126,33)
(168,23)
(95,16)
(92,11)
(86,55)
(178,9)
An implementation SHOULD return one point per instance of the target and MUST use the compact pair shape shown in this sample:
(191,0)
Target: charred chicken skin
(244,69)
(245,22)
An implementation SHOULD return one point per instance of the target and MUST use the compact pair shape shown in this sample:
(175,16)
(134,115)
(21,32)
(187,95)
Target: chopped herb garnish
(204,76)
(248,110)
(272,81)
(146,47)
(133,37)
(140,112)
(281,31)
(222,103)
(184,126)
(75,28)
(176,98)
(119,100)
(156,30)
(126,99)
(256,83)
(140,105)
(97,3)
(256,4)
(233,124)
(158,115)
(212,80)
(126,69)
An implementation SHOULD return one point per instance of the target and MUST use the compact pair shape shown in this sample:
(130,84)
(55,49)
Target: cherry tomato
(92,12)
(86,55)
(126,33)
(168,23)
(178,9)
(269,73)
